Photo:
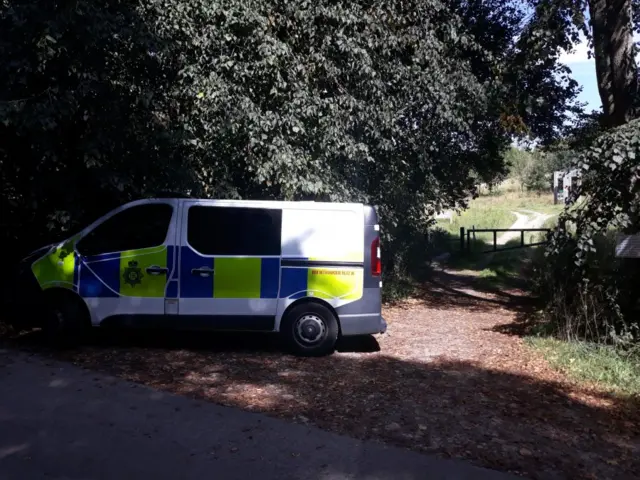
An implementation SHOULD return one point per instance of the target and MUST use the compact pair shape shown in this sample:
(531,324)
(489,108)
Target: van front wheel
(310,330)
(67,320)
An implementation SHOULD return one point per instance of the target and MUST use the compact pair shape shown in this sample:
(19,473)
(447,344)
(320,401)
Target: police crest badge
(133,274)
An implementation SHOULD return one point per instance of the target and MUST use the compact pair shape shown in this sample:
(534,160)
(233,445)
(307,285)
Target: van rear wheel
(310,330)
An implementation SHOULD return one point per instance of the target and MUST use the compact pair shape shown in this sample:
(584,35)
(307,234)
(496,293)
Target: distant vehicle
(310,271)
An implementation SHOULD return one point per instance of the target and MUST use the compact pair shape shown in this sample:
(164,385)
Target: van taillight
(376,263)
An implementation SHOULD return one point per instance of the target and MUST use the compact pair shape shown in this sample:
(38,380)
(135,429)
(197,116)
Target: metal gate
(467,234)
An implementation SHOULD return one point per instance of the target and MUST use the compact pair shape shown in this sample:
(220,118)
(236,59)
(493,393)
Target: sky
(584,72)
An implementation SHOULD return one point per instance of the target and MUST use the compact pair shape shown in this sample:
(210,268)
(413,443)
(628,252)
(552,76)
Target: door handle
(202,271)
(155,270)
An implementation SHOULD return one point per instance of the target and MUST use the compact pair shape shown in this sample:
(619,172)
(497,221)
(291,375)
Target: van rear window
(213,230)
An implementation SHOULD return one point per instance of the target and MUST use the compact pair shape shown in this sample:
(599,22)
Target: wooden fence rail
(468,233)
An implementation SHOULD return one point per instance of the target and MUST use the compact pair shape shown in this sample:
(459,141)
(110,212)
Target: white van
(308,270)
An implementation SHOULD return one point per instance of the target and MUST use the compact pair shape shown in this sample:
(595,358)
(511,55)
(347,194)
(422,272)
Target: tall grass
(480,217)
(614,369)
(541,202)
(597,302)
(496,210)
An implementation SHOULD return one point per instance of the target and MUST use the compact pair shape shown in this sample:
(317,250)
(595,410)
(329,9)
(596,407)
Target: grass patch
(495,210)
(551,222)
(481,217)
(613,369)
(500,269)
(539,201)
(487,273)
(501,273)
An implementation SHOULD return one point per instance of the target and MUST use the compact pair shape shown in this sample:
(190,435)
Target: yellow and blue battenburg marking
(233,277)
(108,275)
(329,283)
(253,277)
(125,274)
(59,268)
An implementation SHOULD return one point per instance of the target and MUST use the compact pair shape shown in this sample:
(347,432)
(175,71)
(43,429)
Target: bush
(597,302)
(534,170)
(408,254)
(590,294)
(535,175)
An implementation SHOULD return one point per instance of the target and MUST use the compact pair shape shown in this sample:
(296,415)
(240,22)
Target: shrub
(535,175)
(588,293)
(595,302)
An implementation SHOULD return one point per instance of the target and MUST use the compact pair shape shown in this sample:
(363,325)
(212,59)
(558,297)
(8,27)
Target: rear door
(229,266)
(323,253)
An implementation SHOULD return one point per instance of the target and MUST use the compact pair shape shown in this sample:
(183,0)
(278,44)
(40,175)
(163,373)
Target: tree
(610,31)
(518,161)
(85,121)
(394,103)
(537,172)
(533,170)
(588,292)
(616,69)
(538,93)
(611,188)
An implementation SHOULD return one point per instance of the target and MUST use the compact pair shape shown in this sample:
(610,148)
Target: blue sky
(584,72)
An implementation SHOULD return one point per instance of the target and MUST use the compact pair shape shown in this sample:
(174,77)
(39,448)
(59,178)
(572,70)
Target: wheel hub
(59,317)
(310,328)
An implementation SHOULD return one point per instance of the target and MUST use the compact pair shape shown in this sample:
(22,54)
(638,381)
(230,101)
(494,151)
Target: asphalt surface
(61,422)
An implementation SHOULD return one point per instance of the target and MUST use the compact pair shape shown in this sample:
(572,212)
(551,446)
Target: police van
(308,270)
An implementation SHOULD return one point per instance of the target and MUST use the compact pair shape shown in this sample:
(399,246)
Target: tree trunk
(616,69)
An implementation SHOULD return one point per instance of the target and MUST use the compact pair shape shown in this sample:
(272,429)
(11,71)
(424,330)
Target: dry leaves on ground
(446,379)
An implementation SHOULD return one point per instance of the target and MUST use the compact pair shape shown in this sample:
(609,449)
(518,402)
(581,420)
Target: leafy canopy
(402,104)
(609,194)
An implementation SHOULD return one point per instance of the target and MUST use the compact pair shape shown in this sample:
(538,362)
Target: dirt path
(530,220)
(451,377)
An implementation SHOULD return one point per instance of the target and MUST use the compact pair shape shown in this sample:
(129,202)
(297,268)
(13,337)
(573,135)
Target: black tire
(310,330)
(13,318)
(66,321)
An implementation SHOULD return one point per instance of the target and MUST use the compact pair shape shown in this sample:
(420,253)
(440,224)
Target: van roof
(272,203)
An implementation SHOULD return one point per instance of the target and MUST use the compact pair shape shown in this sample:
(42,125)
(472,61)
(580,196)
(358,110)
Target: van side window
(137,227)
(234,230)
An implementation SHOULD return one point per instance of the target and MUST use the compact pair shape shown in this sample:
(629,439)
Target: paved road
(64,423)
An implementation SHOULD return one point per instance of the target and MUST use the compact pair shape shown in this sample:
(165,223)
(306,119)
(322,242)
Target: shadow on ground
(451,408)
(454,290)
(176,340)
(506,267)
(486,414)
(480,281)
